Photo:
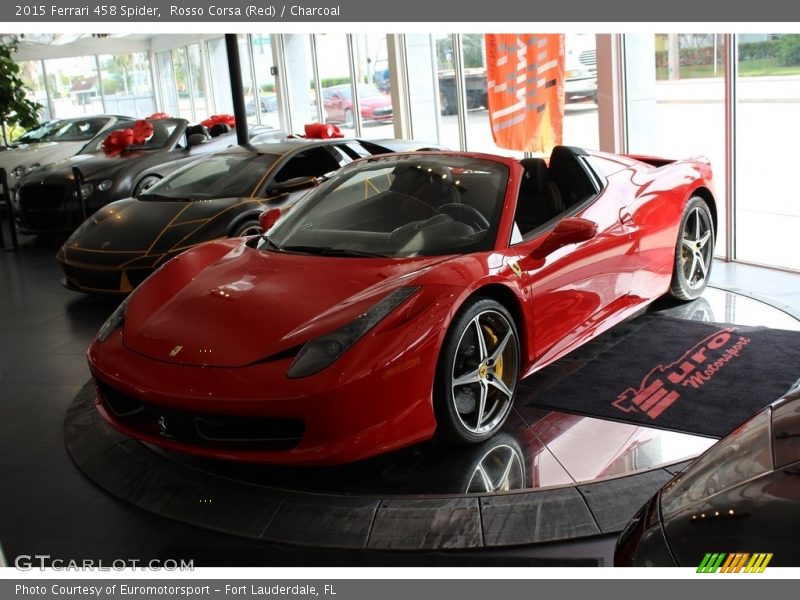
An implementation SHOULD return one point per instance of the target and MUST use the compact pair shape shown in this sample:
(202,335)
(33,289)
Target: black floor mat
(689,376)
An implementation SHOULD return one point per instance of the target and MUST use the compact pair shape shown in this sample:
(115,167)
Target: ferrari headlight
(104,185)
(18,171)
(33,167)
(116,319)
(321,352)
(744,454)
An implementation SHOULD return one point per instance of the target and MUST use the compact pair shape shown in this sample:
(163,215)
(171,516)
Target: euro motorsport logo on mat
(744,562)
(662,386)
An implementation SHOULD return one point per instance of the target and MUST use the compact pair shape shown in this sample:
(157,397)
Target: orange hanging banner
(525,89)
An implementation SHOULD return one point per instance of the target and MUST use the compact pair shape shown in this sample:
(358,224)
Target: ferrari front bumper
(366,403)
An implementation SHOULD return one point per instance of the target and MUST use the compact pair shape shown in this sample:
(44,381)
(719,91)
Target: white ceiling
(38,46)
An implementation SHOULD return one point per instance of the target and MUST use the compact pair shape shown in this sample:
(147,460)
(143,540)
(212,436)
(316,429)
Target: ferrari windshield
(399,205)
(228,175)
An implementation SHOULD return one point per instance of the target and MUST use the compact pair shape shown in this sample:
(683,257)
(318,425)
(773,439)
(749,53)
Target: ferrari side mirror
(267,218)
(571,230)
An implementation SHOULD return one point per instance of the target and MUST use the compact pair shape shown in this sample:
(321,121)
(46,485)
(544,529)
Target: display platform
(549,476)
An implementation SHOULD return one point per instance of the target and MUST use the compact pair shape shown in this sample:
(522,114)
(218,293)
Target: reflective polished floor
(537,448)
(48,506)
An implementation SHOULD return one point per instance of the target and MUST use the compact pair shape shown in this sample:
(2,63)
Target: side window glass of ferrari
(516,235)
(313,162)
(575,184)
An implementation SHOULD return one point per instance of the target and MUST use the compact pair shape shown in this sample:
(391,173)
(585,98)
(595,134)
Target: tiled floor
(48,507)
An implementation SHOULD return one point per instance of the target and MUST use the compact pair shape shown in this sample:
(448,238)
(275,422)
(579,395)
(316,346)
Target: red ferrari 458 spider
(402,298)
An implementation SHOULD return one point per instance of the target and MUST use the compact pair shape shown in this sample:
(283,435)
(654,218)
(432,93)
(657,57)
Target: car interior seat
(199,128)
(197,134)
(567,173)
(425,181)
(160,135)
(91,127)
(539,197)
(218,129)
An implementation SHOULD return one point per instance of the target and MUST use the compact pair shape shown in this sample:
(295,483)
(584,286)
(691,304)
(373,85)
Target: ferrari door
(576,288)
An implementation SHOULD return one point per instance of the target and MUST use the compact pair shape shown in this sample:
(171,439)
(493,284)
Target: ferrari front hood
(250,305)
(154,227)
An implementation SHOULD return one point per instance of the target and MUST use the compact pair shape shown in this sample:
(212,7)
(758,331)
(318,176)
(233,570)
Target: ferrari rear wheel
(251,227)
(694,251)
(477,373)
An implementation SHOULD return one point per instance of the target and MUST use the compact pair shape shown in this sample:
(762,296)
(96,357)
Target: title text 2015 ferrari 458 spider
(402,298)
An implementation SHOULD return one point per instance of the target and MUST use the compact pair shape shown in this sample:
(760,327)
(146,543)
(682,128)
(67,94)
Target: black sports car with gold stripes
(219,195)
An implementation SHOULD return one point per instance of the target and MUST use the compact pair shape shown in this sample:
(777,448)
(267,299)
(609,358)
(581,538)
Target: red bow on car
(142,130)
(322,131)
(228,120)
(117,141)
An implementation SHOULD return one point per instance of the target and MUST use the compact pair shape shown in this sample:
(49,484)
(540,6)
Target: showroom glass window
(444,52)
(334,73)
(329,57)
(374,85)
(220,76)
(180,65)
(197,81)
(298,84)
(580,118)
(690,106)
(768,105)
(247,76)
(166,77)
(32,73)
(127,86)
(75,90)
(580,90)
(479,130)
(266,109)
(422,86)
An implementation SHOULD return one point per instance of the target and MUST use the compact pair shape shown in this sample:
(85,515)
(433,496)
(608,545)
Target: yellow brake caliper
(498,366)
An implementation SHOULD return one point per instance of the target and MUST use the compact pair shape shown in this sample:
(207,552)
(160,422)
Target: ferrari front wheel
(477,373)
(694,251)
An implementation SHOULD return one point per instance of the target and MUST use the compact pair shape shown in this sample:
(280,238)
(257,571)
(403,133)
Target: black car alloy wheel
(477,373)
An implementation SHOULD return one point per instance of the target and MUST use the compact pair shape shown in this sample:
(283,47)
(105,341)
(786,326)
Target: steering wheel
(466,214)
